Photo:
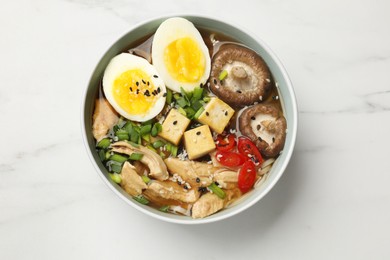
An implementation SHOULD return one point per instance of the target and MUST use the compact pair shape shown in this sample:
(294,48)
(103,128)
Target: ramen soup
(188,120)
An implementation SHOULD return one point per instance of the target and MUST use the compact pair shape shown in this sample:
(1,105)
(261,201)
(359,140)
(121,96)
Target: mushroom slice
(131,182)
(104,118)
(248,78)
(172,191)
(263,125)
(197,174)
(156,165)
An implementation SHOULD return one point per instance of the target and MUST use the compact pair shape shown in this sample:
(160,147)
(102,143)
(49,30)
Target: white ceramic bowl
(287,97)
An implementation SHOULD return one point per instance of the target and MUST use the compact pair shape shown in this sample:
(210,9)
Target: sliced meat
(172,191)
(156,165)
(131,182)
(226,178)
(197,174)
(248,78)
(104,118)
(266,128)
(208,204)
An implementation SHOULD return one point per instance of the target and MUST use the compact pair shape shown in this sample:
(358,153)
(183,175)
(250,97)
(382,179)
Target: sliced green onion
(136,156)
(102,155)
(148,122)
(197,94)
(182,111)
(162,155)
(164,208)
(168,146)
(104,143)
(190,112)
(198,113)
(150,147)
(168,99)
(108,154)
(141,199)
(222,75)
(146,138)
(158,144)
(145,129)
(122,134)
(206,99)
(182,102)
(134,137)
(176,96)
(174,150)
(115,167)
(118,158)
(128,127)
(197,104)
(145,178)
(116,178)
(186,94)
(157,128)
(217,190)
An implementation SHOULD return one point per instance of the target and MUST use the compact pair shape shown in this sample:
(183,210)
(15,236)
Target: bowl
(287,98)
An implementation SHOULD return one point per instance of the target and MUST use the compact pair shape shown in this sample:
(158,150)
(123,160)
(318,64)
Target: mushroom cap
(265,127)
(248,79)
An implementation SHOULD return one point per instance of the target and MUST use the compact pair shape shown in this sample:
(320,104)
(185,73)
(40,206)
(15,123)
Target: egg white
(169,31)
(122,63)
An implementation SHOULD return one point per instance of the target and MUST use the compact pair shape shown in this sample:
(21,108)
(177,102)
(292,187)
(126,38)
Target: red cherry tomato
(246,176)
(230,159)
(225,144)
(249,150)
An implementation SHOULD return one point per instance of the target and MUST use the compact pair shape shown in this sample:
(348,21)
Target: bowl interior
(287,98)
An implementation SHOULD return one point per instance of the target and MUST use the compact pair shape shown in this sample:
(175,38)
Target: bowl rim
(293,125)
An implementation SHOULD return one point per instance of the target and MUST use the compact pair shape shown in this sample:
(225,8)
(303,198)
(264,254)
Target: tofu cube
(174,126)
(216,115)
(198,142)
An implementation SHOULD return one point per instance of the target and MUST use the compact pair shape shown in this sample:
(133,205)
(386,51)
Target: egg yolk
(184,60)
(133,92)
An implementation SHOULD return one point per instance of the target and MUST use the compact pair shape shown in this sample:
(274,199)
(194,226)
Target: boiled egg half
(133,87)
(180,55)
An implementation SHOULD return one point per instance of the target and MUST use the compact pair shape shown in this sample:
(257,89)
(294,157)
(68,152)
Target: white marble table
(332,203)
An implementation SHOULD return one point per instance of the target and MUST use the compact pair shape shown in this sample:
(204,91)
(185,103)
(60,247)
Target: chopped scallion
(145,129)
(118,158)
(116,178)
(223,75)
(169,97)
(136,156)
(141,199)
(174,150)
(158,144)
(182,111)
(198,113)
(164,208)
(104,143)
(102,155)
(145,178)
(217,190)
(115,167)
(197,94)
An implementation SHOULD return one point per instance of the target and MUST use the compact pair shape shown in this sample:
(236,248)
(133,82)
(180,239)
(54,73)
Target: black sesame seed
(158,90)
(198,133)
(201,85)
(207,114)
(197,180)
(216,183)
(131,89)
(137,83)
(147,93)
(253,118)
(202,189)
(239,91)
(175,122)
(226,113)
(215,82)
(258,127)
(143,81)
(260,139)
(185,187)
(148,83)
(137,91)
(165,94)
(155,76)
(273,139)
